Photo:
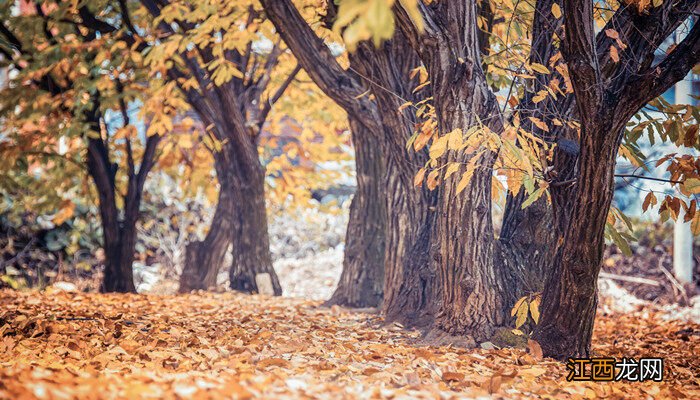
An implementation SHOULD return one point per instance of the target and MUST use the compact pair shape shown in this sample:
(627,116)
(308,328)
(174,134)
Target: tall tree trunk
(119,237)
(570,296)
(527,240)
(477,287)
(119,257)
(251,242)
(118,275)
(204,259)
(361,283)
(410,279)
(474,286)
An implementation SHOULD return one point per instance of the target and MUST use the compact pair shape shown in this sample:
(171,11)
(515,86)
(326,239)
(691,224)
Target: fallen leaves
(73,345)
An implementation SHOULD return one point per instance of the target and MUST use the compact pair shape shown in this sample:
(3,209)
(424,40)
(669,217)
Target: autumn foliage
(68,345)
(487,139)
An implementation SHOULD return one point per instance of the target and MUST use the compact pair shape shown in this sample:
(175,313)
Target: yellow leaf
(556,10)
(517,306)
(67,210)
(521,315)
(411,7)
(539,123)
(418,179)
(455,139)
(695,224)
(405,105)
(533,197)
(451,169)
(433,179)
(541,95)
(539,68)
(535,310)
(692,185)
(438,147)
(466,177)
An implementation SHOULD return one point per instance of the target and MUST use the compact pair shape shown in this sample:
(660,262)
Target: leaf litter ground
(59,345)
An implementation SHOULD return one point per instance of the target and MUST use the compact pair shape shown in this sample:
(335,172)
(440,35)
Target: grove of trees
(454,108)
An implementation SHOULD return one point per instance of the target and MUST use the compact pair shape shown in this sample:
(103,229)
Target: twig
(18,255)
(633,279)
(647,178)
(677,285)
(650,178)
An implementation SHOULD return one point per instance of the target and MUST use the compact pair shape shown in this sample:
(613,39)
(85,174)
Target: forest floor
(60,345)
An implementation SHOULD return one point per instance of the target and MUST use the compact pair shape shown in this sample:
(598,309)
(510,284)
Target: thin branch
(278,94)
(656,80)
(649,178)
(125,123)
(124,11)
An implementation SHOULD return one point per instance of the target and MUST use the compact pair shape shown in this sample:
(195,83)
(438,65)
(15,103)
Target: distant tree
(232,69)
(74,87)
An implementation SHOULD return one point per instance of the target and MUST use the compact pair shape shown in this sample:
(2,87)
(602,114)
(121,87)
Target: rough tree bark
(530,237)
(236,111)
(251,243)
(527,239)
(570,295)
(240,218)
(475,288)
(409,282)
(119,236)
(204,259)
(240,222)
(362,278)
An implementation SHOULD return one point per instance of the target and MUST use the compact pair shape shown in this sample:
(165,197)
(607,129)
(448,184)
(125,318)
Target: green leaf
(533,197)
(619,241)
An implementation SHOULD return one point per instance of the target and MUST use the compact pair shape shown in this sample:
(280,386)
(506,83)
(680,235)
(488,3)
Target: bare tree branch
(276,96)
(315,57)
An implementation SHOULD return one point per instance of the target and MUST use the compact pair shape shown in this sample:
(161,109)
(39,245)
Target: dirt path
(62,345)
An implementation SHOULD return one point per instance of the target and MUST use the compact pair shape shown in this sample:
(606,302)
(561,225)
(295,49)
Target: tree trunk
(119,275)
(119,257)
(118,241)
(570,296)
(409,278)
(361,283)
(204,259)
(251,241)
(474,287)
(409,281)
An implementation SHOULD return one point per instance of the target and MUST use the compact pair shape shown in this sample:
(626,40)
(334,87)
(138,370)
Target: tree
(477,278)
(570,296)
(408,284)
(65,87)
(232,85)
(361,282)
